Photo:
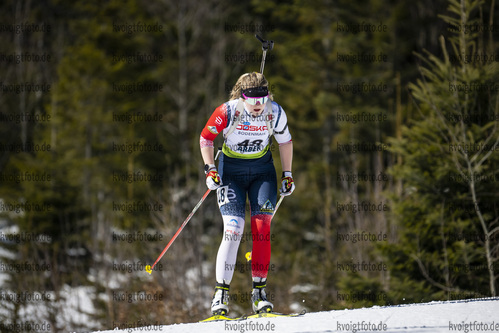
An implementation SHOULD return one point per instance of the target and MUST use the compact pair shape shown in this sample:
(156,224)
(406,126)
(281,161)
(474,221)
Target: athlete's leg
(262,195)
(231,199)
(227,252)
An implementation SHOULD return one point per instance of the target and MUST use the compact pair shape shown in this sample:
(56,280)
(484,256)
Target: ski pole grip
(266,44)
(260,39)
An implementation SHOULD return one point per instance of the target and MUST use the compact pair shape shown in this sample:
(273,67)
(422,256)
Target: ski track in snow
(450,316)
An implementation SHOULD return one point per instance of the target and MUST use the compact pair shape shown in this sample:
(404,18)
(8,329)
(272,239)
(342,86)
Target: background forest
(393,108)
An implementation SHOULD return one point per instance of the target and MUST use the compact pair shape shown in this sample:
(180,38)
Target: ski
(219,318)
(275,315)
(254,316)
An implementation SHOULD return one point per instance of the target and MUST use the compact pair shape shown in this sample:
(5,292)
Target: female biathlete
(247,121)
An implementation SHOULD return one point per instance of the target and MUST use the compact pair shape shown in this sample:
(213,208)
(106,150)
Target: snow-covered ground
(479,315)
(76,309)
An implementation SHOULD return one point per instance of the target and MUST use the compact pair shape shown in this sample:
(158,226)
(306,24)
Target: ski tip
(149,269)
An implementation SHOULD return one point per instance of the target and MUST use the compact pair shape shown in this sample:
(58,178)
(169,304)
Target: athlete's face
(255,99)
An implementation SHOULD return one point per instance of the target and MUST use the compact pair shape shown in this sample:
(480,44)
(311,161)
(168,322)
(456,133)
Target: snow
(478,315)
(303,288)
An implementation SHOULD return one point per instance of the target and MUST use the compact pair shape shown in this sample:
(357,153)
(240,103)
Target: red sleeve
(216,123)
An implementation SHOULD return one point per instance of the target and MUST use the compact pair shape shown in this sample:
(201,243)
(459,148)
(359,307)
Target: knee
(233,225)
(261,222)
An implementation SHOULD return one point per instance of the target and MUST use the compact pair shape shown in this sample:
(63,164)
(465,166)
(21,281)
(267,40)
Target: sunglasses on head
(256,95)
(255,100)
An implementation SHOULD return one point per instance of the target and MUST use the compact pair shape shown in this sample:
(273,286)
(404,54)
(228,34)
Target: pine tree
(447,215)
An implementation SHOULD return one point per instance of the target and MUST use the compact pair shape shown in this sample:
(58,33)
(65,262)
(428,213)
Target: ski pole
(266,45)
(278,204)
(149,267)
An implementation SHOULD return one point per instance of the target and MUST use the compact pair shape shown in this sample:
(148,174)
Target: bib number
(222,195)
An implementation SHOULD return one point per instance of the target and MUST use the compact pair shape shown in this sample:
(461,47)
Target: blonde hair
(249,80)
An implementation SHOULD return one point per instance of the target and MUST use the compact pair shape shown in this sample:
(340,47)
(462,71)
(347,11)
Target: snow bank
(478,315)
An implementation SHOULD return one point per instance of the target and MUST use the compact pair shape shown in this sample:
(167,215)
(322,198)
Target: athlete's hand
(287,183)
(213,180)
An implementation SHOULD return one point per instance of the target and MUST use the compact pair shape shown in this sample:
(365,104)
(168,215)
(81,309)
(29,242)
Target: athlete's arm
(283,138)
(208,154)
(214,125)
(286,152)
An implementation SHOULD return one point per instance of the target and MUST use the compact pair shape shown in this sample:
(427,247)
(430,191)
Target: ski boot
(259,297)
(220,302)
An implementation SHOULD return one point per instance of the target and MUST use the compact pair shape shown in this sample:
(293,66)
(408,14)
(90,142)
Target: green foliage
(446,211)
(433,240)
